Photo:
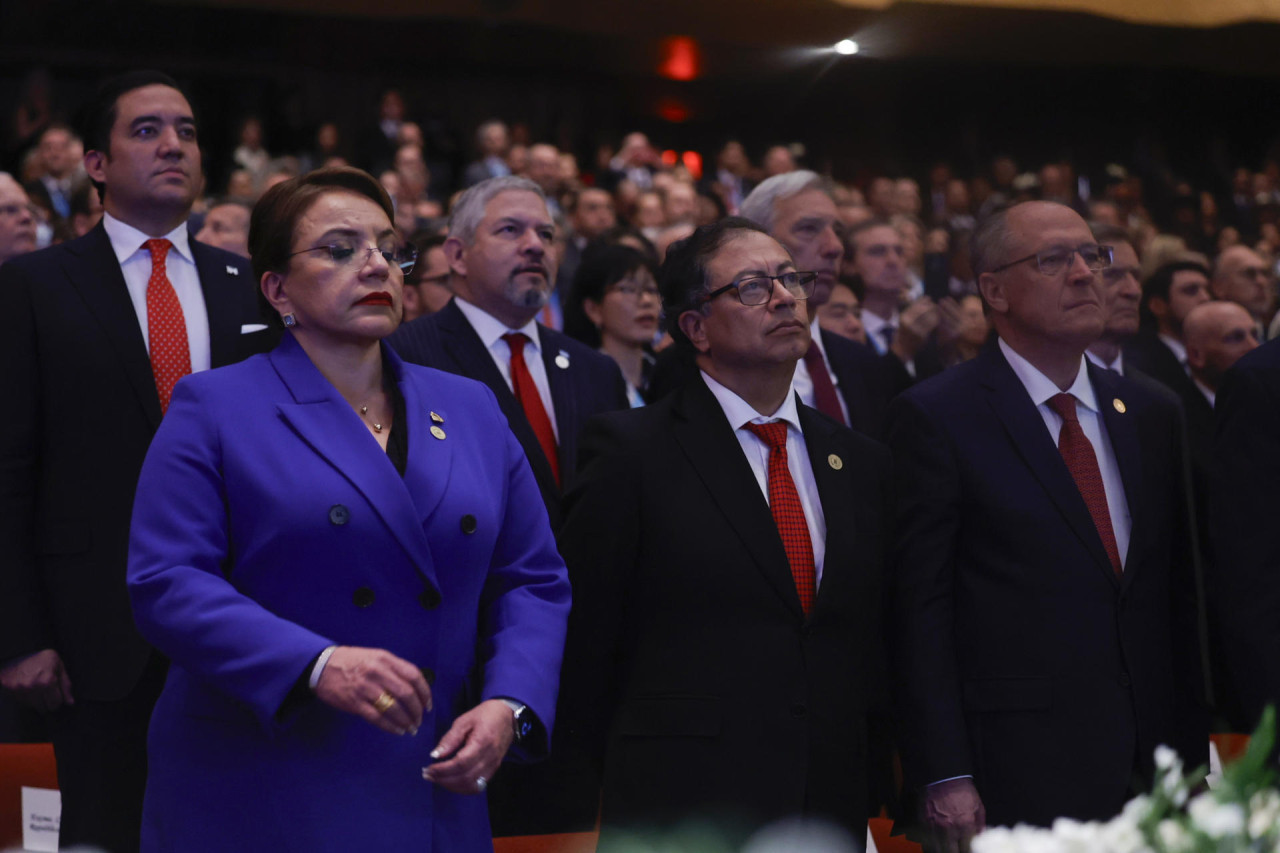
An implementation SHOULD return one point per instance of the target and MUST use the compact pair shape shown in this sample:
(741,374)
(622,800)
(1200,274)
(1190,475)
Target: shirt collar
(873,323)
(1179,350)
(815,334)
(1042,388)
(1209,393)
(491,329)
(1117,365)
(740,412)
(126,241)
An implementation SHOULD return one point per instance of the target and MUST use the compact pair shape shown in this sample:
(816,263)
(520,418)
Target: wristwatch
(521,720)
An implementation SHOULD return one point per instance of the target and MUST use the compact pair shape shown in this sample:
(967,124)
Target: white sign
(41,816)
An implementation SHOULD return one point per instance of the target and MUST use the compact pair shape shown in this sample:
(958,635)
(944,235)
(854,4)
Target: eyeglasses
(758,289)
(17,209)
(1055,260)
(634,290)
(342,254)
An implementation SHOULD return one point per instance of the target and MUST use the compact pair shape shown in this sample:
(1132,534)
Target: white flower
(1173,838)
(1264,813)
(1215,819)
(1121,835)
(1166,757)
(1137,809)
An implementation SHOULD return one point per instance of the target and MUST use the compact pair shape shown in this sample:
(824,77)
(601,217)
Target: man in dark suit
(841,378)
(1246,466)
(499,244)
(547,385)
(721,663)
(1044,619)
(1168,297)
(97,331)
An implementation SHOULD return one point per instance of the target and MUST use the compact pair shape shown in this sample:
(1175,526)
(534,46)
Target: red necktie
(788,514)
(531,401)
(824,391)
(1082,462)
(166,326)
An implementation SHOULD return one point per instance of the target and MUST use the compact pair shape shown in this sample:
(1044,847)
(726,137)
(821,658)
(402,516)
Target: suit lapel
(709,442)
(838,497)
(322,419)
(92,269)
(1025,427)
(1122,430)
(223,299)
(470,358)
(557,364)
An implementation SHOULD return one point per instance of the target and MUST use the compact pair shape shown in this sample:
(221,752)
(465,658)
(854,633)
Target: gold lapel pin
(1119,405)
(835,462)
(437,432)
(436,419)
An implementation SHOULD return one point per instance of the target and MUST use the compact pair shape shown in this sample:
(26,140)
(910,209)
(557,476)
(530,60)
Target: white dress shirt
(1178,349)
(1041,388)
(802,383)
(740,412)
(135,263)
(1209,393)
(875,325)
(1117,365)
(491,329)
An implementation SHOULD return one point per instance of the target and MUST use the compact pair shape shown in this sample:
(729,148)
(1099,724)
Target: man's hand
(954,813)
(356,679)
(474,746)
(39,680)
(915,323)
(950,321)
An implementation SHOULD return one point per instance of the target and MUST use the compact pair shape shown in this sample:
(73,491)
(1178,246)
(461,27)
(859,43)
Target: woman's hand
(374,684)
(474,746)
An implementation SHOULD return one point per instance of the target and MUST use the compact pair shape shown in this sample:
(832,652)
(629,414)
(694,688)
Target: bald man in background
(17,222)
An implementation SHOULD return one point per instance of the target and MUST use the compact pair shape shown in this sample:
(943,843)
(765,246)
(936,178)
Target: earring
(289,321)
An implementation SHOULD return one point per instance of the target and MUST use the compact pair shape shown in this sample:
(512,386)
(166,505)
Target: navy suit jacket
(693,679)
(583,383)
(83,410)
(1020,657)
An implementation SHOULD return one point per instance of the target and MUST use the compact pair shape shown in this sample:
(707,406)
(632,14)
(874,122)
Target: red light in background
(668,158)
(675,111)
(693,162)
(681,58)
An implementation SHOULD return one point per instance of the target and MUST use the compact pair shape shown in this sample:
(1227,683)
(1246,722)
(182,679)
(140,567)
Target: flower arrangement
(1241,814)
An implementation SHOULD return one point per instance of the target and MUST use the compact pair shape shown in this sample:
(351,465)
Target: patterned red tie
(166,326)
(531,401)
(825,399)
(1082,462)
(788,514)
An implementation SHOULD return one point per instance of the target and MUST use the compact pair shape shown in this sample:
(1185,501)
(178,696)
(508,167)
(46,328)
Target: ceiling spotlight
(846,47)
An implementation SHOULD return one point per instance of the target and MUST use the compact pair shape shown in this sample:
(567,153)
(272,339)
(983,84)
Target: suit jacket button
(339,514)
(430,598)
(798,710)
(429,675)
(363,597)
(1124,679)
(468,524)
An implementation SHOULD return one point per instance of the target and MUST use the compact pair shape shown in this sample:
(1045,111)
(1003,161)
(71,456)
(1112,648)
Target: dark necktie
(166,326)
(888,332)
(531,401)
(1082,462)
(825,399)
(788,513)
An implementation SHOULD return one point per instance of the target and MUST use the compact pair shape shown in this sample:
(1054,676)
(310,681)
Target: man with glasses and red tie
(725,547)
(96,333)
(547,384)
(1044,620)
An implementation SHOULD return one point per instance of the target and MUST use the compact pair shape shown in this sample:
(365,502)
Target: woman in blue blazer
(347,561)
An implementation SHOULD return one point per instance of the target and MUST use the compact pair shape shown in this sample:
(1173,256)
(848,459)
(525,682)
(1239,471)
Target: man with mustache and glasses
(1045,634)
(726,547)
(103,327)
(547,384)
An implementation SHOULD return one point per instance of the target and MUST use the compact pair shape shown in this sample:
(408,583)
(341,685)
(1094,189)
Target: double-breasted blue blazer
(268,525)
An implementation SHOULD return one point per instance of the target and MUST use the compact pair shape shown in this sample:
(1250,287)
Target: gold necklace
(364,411)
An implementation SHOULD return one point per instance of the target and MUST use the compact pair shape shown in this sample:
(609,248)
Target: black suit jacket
(1242,483)
(1149,354)
(1020,658)
(83,409)
(692,678)
(587,383)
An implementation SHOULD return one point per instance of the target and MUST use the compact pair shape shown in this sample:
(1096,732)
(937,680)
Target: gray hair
(759,205)
(988,242)
(469,210)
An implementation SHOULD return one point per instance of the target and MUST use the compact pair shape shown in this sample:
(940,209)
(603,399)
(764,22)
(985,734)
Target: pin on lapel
(835,462)
(436,419)
(562,360)
(1119,405)
(232,270)
(437,432)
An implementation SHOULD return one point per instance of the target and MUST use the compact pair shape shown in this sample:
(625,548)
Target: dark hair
(275,216)
(683,278)
(1161,280)
(98,116)
(620,232)
(865,225)
(1109,235)
(424,240)
(603,264)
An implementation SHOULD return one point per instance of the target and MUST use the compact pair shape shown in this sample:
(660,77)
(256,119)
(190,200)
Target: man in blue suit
(1044,612)
(90,336)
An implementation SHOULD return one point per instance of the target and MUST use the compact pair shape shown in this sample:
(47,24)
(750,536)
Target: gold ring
(384,703)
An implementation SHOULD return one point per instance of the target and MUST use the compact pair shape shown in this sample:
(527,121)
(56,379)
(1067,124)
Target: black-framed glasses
(342,254)
(758,289)
(634,289)
(1055,260)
